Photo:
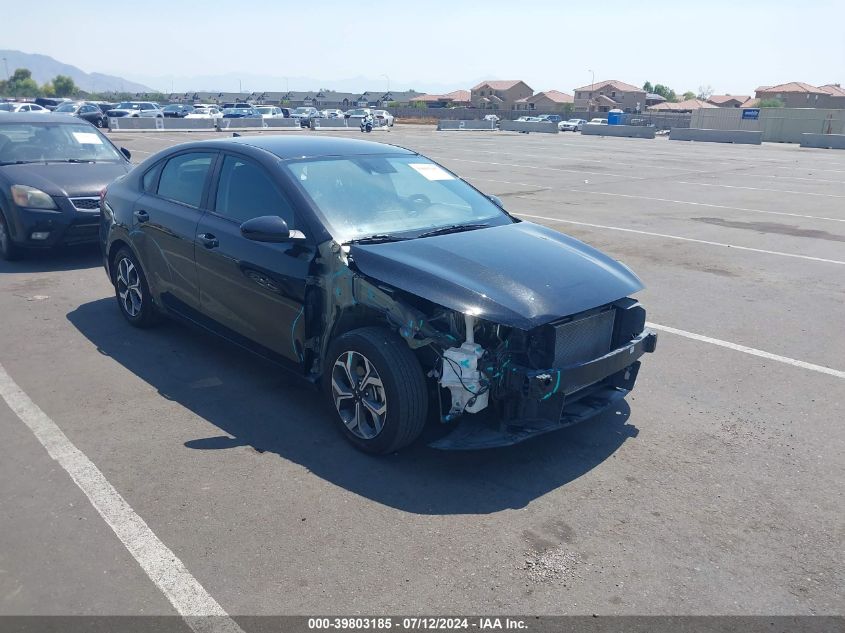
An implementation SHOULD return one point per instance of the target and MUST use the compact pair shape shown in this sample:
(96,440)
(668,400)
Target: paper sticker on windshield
(431,172)
(87,138)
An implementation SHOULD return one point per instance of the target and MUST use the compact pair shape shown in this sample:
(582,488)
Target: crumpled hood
(522,275)
(66,179)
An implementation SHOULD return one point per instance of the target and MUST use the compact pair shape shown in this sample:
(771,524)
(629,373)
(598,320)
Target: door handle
(208,240)
(141,215)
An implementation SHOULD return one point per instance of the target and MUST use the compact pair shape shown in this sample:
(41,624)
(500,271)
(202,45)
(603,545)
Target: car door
(254,290)
(89,113)
(164,226)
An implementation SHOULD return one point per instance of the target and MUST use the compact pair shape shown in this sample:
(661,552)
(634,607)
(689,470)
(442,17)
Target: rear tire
(377,388)
(132,291)
(9,251)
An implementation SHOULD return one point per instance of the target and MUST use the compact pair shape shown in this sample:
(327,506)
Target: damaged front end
(497,384)
(553,376)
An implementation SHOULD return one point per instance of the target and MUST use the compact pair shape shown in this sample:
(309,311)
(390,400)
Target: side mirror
(267,228)
(126,153)
(497,201)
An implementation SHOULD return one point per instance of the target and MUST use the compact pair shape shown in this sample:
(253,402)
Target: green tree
(21,84)
(689,94)
(64,86)
(648,87)
(48,90)
(770,103)
(666,92)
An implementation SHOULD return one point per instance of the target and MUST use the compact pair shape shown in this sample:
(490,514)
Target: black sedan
(90,112)
(52,170)
(177,110)
(381,276)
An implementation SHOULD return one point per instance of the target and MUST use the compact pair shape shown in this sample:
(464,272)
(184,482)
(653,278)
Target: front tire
(377,388)
(9,251)
(132,291)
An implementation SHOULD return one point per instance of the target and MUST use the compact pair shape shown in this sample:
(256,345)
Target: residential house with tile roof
(546,102)
(687,105)
(727,101)
(499,94)
(795,94)
(610,94)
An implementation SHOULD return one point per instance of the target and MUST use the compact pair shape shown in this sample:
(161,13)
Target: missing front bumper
(546,401)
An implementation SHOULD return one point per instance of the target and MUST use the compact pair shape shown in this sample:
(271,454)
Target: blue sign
(751,113)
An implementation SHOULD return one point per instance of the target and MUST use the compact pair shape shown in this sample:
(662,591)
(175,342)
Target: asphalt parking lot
(716,489)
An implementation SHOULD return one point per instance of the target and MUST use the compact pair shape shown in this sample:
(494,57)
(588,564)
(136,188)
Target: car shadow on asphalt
(257,405)
(64,258)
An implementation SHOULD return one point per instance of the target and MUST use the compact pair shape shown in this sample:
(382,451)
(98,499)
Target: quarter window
(246,191)
(183,178)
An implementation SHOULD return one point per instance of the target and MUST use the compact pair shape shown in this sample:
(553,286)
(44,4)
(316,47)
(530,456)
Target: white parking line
(200,611)
(800,193)
(686,239)
(688,202)
(748,350)
(571,171)
(656,167)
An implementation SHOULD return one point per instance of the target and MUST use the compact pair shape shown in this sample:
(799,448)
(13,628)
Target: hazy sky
(732,45)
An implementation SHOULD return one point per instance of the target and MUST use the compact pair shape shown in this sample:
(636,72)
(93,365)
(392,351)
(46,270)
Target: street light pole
(592,89)
(6,64)
(388,82)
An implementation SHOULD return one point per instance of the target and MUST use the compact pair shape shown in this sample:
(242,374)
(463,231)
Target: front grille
(86,204)
(584,338)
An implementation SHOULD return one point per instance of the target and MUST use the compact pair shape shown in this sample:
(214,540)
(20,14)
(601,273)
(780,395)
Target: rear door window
(184,176)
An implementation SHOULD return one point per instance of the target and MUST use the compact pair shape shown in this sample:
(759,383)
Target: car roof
(26,117)
(287,147)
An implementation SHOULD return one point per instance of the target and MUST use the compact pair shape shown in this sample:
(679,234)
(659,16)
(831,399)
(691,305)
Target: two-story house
(611,94)
(499,94)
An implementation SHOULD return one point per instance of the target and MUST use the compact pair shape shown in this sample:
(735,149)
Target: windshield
(358,112)
(302,111)
(373,195)
(172,108)
(67,107)
(265,110)
(127,105)
(37,142)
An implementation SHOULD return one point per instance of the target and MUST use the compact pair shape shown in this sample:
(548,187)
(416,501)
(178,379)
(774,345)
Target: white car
(383,117)
(529,119)
(146,109)
(491,117)
(358,114)
(333,113)
(572,125)
(24,107)
(597,121)
(205,112)
(271,112)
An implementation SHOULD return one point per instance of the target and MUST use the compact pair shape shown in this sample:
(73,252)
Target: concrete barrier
(126,123)
(744,137)
(329,124)
(474,124)
(282,123)
(547,127)
(825,141)
(241,123)
(628,131)
(189,124)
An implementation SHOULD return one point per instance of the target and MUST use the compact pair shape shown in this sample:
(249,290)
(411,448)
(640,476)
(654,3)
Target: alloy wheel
(129,287)
(358,395)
